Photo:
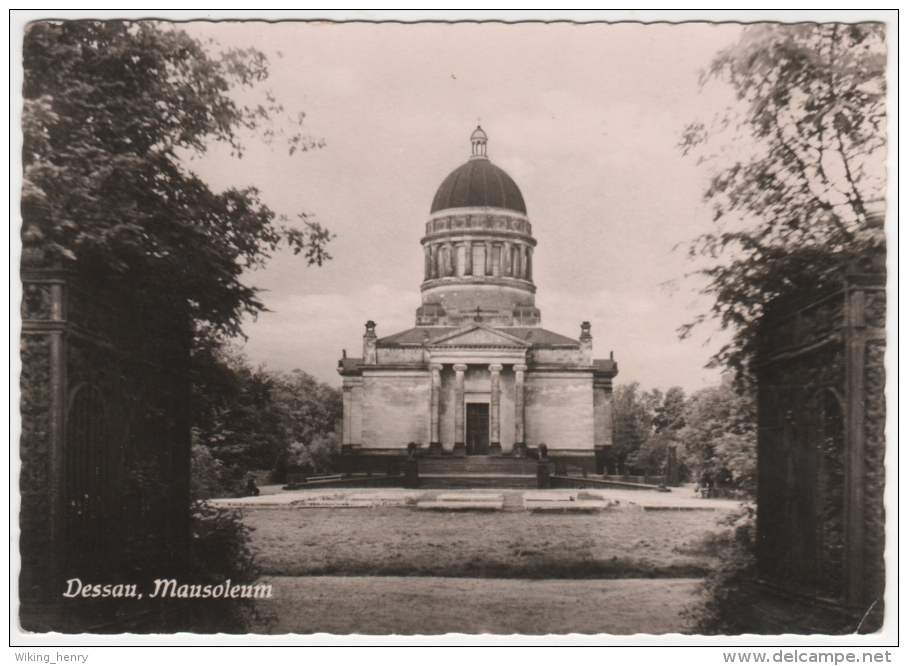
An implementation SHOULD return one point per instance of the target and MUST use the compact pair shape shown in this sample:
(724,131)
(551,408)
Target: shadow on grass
(529,567)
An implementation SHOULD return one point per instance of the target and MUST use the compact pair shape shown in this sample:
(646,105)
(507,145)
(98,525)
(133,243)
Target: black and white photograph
(442,329)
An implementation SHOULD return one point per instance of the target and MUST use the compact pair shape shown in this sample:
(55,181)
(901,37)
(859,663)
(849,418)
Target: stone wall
(395,408)
(559,410)
(400,355)
(555,356)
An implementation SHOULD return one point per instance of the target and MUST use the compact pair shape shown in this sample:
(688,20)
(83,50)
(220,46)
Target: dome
(479,183)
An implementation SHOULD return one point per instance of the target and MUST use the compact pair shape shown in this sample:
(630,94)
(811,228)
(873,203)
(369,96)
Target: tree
(645,424)
(667,418)
(798,168)
(110,110)
(321,453)
(631,422)
(668,414)
(249,419)
(720,434)
(313,408)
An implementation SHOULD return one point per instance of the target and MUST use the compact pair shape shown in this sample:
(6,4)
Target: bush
(321,453)
(218,552)
(212,478)
(727,589)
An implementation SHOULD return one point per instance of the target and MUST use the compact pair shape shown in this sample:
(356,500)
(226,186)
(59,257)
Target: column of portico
(435,429)
(459,440)
(495,410)
(519,411)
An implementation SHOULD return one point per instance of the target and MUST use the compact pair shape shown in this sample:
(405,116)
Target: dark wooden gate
(478,429)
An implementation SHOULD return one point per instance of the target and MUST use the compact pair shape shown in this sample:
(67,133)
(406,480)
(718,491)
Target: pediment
(478,335)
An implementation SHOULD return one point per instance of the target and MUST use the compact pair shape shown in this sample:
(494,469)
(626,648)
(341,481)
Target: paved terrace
(490,499)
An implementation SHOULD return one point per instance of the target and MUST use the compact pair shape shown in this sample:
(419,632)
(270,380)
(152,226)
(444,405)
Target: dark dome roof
(478,183)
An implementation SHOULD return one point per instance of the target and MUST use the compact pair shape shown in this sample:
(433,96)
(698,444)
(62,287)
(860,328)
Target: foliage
(321,453)
(111,109)
(720,435)
(667,418)
(726,591)
(714,431)
(248,418)
(219,550)
(798,168)
(631,421)
(212,478)
(313,408)
(645,425)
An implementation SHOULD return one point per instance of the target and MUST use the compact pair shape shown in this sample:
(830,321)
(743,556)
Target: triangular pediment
(479,335)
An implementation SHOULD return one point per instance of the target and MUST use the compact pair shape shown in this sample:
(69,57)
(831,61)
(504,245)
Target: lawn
(621,542)
(352,605)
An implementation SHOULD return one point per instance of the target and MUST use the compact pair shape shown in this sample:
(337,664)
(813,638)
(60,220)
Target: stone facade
(821,445)
(477,375)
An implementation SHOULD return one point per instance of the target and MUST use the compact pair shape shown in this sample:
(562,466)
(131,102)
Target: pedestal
(543,475)
(411,473)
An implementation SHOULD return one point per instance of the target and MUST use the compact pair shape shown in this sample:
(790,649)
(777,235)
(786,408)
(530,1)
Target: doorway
(477,429)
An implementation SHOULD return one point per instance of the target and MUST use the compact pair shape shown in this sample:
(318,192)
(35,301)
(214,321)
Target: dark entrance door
(477,429)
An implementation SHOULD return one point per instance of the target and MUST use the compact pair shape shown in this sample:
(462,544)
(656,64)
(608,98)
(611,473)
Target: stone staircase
(477,472)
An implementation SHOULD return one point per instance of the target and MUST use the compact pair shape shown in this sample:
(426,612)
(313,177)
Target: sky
(585,118)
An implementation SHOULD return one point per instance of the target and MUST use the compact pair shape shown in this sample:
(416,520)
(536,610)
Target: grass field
(622,542)
(426,606)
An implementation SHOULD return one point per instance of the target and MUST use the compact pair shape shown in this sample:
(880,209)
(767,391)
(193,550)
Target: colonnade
(495,370)
(499,259)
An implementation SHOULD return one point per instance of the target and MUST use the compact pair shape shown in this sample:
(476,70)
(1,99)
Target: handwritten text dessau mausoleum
(477,375)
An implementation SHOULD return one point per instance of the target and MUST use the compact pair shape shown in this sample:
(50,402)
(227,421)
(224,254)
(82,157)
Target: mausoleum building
(477,375)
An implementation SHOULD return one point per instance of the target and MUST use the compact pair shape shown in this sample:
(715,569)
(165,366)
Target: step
(476,463)
(452,481)
(469,497)
(551,496)
(461,506)
(384,499)
(560,505)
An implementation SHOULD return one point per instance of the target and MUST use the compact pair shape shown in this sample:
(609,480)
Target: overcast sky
(585,118)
